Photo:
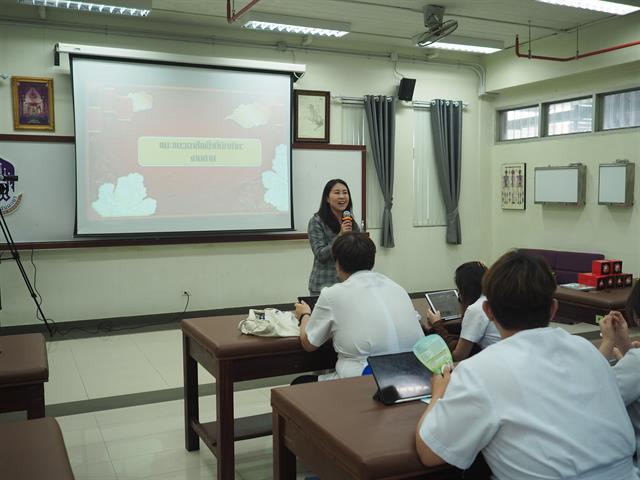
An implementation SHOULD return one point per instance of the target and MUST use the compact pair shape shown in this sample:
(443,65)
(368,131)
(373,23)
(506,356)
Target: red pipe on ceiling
(577,56)
(232,16)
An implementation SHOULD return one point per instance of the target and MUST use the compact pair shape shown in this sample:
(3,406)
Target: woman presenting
(326,224)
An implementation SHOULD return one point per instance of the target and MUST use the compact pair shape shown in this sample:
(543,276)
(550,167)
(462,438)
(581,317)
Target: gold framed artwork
(32,103)
(311,116)
(513,181)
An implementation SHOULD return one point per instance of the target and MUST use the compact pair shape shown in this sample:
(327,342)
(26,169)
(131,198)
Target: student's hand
(439,383)
(433,317)
(346,225)
(621,332)
(635,344)
(607,328)
(301,308)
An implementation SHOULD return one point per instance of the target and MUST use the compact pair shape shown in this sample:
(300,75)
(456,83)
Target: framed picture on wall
(513,181)
(311,116)
(32,103)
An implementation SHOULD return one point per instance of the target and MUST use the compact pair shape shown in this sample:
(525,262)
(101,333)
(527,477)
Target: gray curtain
(381,119)
(446,128)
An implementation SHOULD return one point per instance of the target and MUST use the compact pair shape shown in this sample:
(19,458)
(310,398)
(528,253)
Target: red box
(616,267)
(601,267)
(627,279)
(599,281)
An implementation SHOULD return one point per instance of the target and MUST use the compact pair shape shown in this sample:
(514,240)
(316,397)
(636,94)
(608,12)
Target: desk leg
(284,461)
(190,367)
(225,421)
(35,401)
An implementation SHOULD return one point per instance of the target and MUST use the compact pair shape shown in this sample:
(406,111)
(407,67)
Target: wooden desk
(23,370)
(339,432)
(217,345)
(575,306)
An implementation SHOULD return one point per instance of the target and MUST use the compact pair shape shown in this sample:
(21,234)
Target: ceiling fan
(437,27)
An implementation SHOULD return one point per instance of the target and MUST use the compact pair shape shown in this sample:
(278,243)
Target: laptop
(400,377)
(309,300)
(446,302)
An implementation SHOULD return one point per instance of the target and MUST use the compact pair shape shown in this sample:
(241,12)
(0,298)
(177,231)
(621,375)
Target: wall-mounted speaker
(405,91)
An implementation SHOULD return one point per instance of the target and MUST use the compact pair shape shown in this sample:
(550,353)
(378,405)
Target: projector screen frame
(223,64)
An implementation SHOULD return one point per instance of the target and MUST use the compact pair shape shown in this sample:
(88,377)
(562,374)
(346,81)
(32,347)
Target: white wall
(91,283)
(613,231)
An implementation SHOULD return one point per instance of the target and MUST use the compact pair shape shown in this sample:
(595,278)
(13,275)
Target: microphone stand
(16,256)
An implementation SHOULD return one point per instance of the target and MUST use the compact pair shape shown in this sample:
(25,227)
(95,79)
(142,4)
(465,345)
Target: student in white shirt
(539,404)
(615,333)
(366,314)
(476,330)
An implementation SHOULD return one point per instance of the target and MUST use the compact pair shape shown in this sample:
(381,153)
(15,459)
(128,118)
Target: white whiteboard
(312,169)
(559,185)
(611,185)
(616,183)
(46,173)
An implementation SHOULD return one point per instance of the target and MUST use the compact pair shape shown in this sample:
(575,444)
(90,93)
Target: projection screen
(170,149)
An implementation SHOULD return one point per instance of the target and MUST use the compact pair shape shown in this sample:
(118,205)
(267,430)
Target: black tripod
(11,245)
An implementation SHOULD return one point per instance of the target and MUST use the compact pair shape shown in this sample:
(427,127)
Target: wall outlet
(186,293)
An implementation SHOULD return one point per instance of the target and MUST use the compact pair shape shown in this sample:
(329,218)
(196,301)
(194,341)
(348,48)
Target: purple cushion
(576,261)
(566,265)
(549,255)
(565,276)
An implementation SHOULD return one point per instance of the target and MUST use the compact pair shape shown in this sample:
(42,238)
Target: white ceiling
(385,23)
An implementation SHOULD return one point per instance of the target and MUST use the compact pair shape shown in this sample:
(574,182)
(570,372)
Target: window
(428,206)
(620,109)
(520,123)
(573,116)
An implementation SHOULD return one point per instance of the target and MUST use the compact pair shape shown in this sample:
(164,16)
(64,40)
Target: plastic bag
(270,322)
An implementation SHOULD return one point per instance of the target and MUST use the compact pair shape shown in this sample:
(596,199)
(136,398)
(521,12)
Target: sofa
(566,265)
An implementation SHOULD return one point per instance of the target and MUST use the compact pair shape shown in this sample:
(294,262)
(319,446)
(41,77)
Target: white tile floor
(147,441)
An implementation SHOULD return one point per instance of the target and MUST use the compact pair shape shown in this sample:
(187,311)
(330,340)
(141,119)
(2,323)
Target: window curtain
(381,120)
(355,132)
(446,128)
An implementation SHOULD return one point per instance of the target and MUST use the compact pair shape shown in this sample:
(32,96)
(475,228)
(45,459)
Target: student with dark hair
(476,329)
(325,225)
(615,333)
(366,314)
(539,404)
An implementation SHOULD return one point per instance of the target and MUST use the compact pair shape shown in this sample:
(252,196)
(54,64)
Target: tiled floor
(146,441)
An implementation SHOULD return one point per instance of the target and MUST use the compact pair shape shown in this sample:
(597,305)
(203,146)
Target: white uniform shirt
(476,326)
(541,404)
(627,372)
(367,314)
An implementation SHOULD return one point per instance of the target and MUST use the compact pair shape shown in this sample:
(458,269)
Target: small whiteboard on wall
(616,183)
(560,185)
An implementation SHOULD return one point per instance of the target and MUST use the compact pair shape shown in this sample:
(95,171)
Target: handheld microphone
(346,215)
(8,178)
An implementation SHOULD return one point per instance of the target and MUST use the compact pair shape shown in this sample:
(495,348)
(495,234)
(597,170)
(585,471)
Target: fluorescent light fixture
(616,8)
(300,25)
(133,8)
(467,44)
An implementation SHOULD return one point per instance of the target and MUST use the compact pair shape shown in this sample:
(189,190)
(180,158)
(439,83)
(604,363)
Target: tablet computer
(400,377)
(446,302)
(309,300)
